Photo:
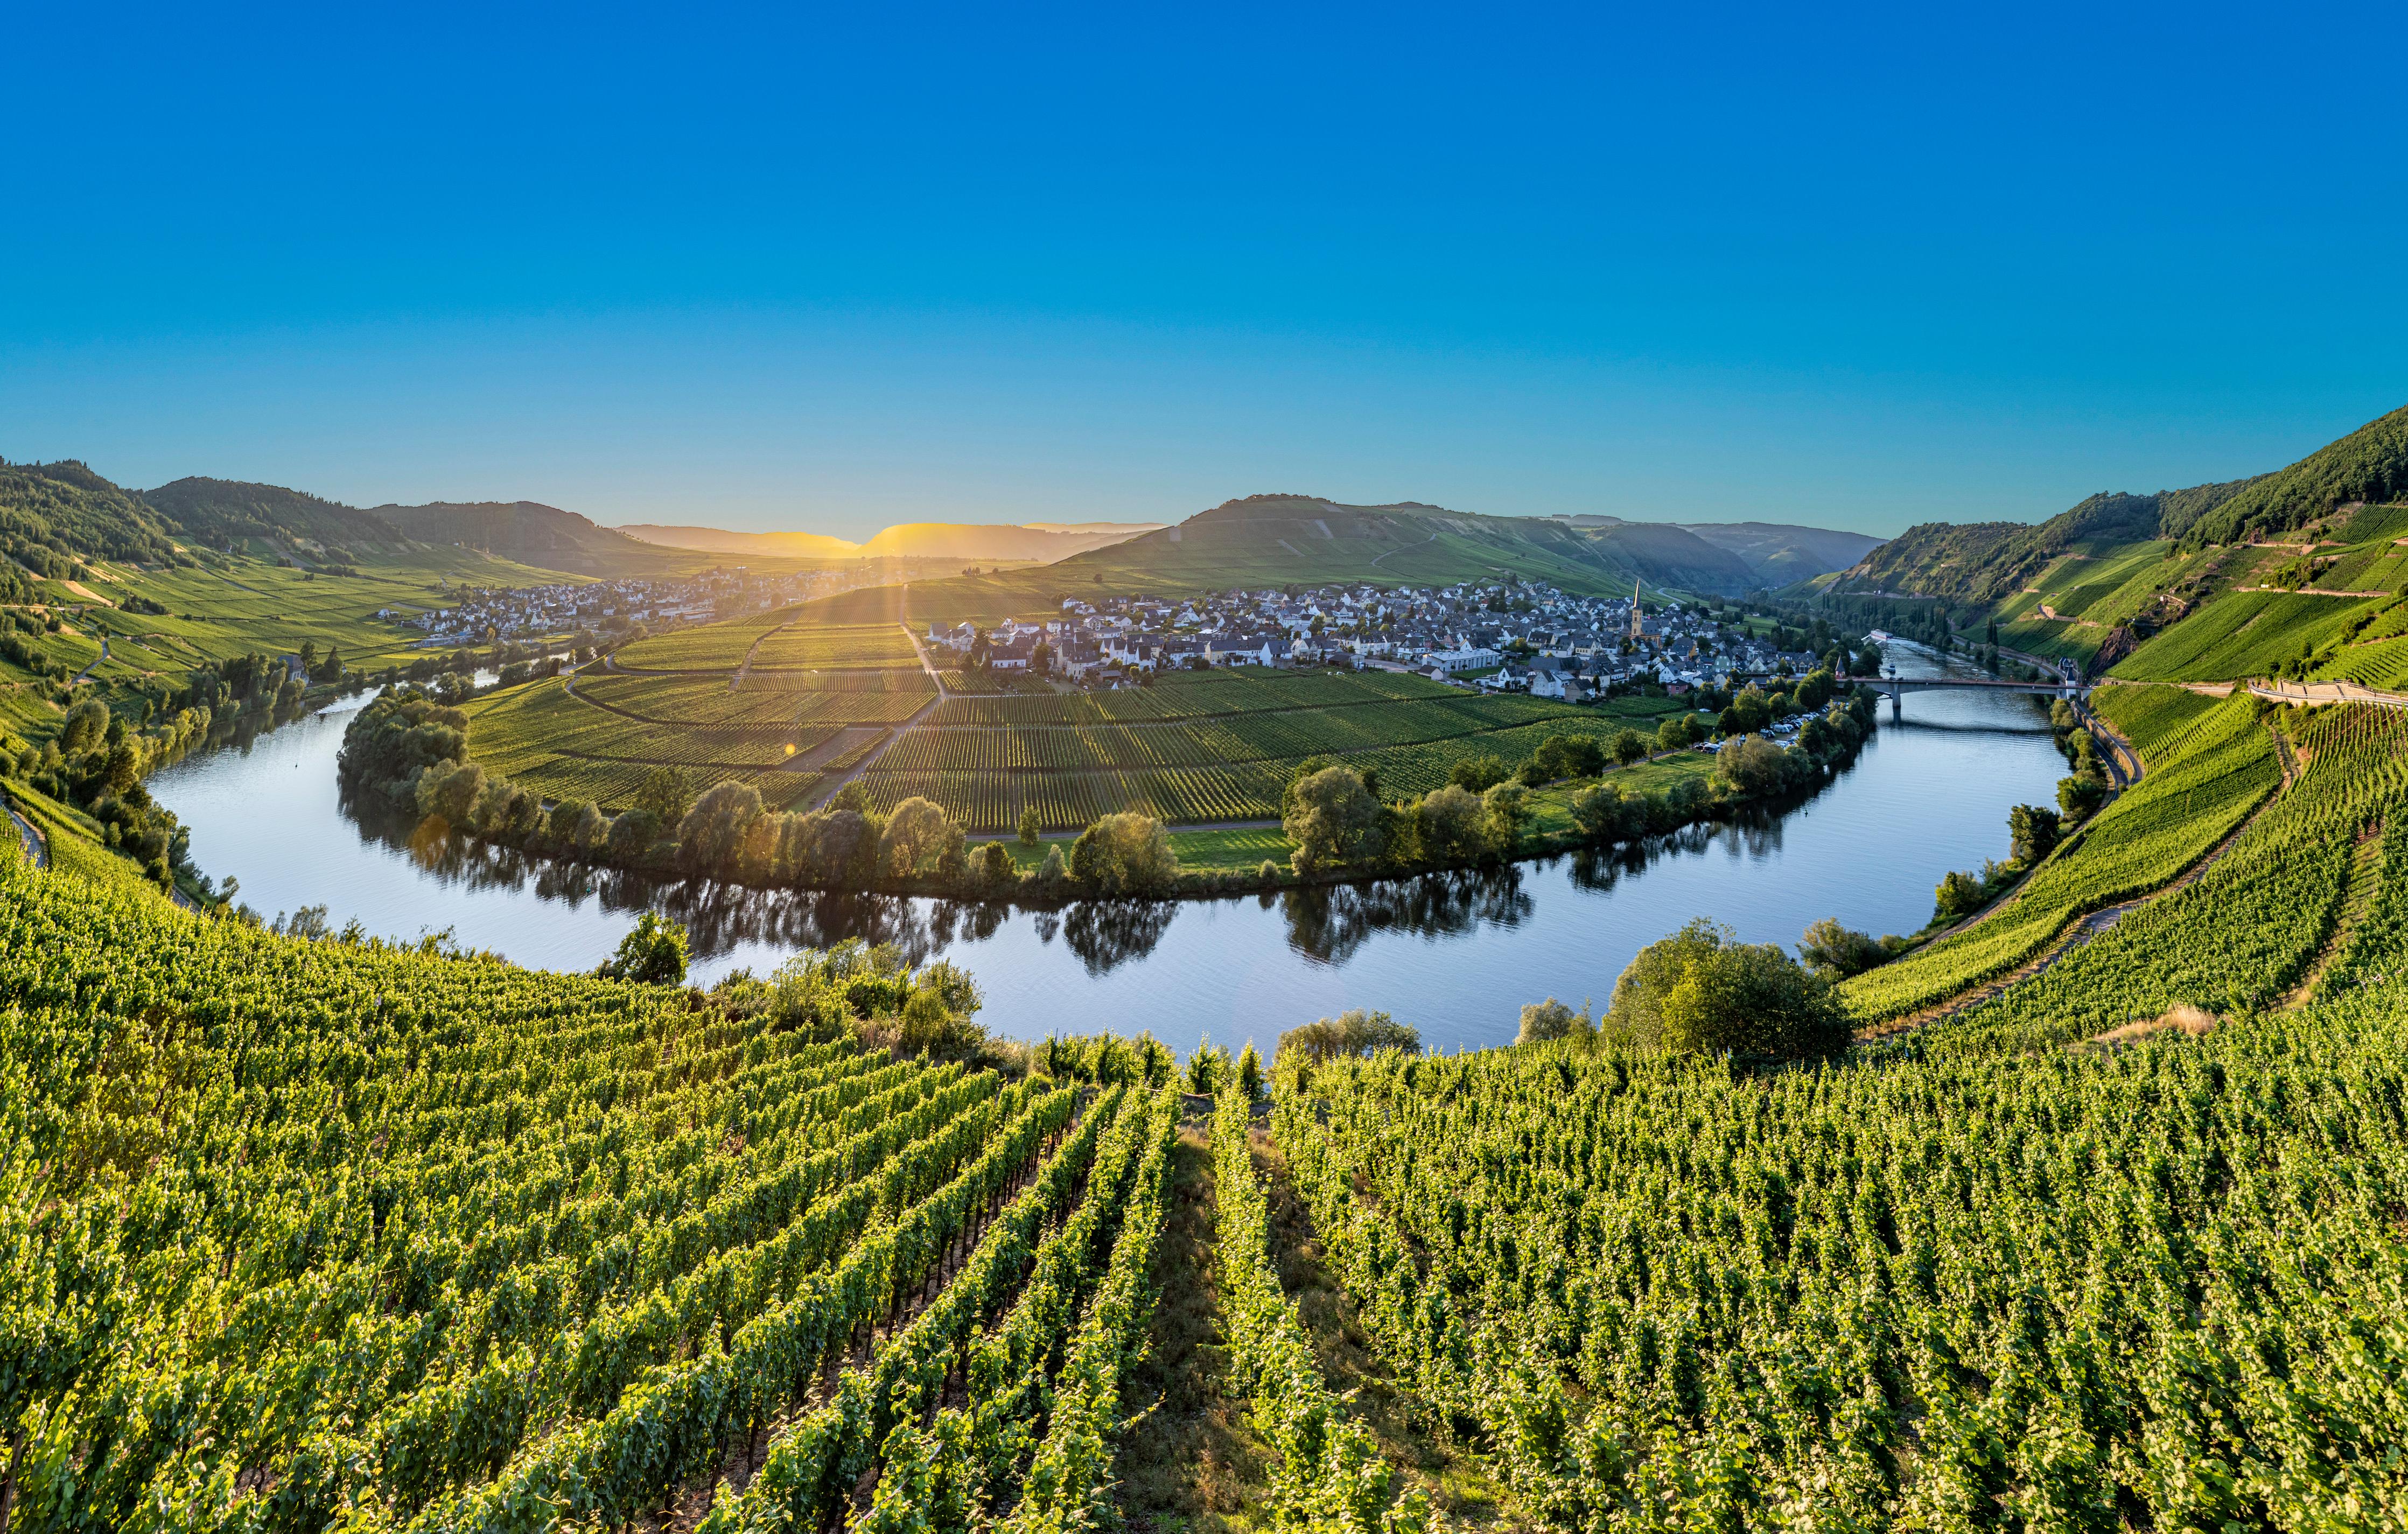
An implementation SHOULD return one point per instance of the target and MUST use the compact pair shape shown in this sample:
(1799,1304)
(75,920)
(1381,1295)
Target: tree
(1673,733)
(1249,1074)
(633,833)
(712,833)
(1753,766)
(1031,828)
(1351,1033)
(1333,818)
(1478,773)
(2080,797)
(1504,811)
(1448,823)
(1630,747)
(1835,951)
(2035,832)
(575,827)
(449,789)
(653,953)
(1602,814)
(85,727)
(1552,1019)
(1959,896)
(666,792)
(1125,853)
(1701,990)
(992,864)
(919,832)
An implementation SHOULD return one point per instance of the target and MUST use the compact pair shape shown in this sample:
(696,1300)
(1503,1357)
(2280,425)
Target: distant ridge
(1040,543)
(1288,539)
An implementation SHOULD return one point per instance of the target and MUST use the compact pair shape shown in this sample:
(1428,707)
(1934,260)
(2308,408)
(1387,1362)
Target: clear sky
(829,269)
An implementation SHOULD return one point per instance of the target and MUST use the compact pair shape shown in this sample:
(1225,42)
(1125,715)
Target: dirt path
(1383,558)
(37,846)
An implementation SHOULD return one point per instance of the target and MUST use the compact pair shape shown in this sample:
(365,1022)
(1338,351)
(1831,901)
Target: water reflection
(1455,954)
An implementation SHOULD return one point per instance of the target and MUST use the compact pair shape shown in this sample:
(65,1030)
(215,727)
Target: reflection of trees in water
(717,916)
(1107,934)
(1332,922)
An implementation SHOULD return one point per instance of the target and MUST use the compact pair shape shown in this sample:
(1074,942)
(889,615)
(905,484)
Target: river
(1456,955)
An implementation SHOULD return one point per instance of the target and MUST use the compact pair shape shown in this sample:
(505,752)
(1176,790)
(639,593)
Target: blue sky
(829,271)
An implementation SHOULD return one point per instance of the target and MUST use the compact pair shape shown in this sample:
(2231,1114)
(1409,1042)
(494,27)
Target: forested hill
(2370,465)
(223,512)
(1987,561)
(52,514)
(1285,539)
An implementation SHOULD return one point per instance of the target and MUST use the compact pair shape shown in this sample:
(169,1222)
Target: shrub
(1701,990)
(653,953)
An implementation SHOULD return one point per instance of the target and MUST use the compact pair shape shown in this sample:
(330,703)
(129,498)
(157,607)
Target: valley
(804,1105)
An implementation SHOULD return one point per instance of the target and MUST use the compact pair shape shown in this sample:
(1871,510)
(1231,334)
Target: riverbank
(404,756)
(1455,954)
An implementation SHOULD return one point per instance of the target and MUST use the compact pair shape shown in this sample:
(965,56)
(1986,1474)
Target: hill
(1039,544)
(1781,554)
(719,540)
(815,1253)
(222,512)
(532,532)
(1987,561)
(51,514)
(2369,465)
(1285,539)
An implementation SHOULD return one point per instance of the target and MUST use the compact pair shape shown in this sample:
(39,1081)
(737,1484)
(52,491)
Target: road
(97,660)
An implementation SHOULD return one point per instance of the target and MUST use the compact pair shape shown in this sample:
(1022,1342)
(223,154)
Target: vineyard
(2220,768)
(2244,634)
(745,702)
(305,1234)
(310,1233)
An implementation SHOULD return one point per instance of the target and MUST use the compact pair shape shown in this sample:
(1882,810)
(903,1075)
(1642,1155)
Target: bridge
(2071,688)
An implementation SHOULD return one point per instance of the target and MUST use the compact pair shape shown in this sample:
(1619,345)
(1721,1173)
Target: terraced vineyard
(2244,634)
(2237,939)
(584,1250)
(2214,772)
(793,709)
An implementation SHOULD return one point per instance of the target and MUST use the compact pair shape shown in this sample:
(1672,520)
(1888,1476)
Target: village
(611,609)
(1518,638)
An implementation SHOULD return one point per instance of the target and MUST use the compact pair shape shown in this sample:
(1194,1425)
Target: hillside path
(95,660)
(37,846)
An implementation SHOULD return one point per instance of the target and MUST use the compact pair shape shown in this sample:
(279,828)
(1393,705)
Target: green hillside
(1991,561)
(51,514)
(2369,465)
(224,512)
